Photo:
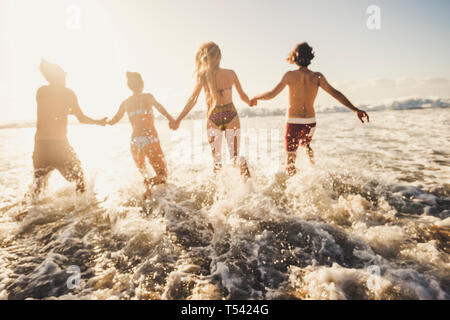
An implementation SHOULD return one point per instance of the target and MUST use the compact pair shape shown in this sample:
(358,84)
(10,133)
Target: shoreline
(256,113)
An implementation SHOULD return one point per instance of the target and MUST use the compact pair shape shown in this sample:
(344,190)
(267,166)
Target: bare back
(140,112)
(303,88)
(54,104)
(225,80)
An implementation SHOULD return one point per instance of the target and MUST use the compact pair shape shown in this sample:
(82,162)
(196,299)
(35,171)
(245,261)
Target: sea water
(371,220)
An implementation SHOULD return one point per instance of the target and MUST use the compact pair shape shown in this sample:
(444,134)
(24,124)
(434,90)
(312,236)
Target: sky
(407,56)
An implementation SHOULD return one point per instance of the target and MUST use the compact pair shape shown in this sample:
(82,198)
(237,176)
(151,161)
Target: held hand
(361,115)
(171,119)
(253,102)
(177,124)
(174,125)
(103,122)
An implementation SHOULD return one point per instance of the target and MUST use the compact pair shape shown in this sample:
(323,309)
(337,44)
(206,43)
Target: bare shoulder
(318,75)
(229,73)
(126,101)
(149,98)
(288,76)
(70,92)
(70,95)
(42,90)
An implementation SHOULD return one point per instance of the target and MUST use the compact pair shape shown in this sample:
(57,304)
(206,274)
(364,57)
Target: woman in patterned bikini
(222,116)
(144,141)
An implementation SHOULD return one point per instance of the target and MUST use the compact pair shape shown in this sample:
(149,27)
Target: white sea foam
(369,221)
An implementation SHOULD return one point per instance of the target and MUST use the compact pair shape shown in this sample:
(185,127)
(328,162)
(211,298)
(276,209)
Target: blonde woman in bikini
(303,86)
(222,116)
(144,141)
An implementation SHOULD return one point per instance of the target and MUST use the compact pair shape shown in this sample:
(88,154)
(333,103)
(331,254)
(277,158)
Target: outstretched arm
(160,108)
(76,111)
(276,91)
(323,83)
(119,115)
(241,92)
(192,101)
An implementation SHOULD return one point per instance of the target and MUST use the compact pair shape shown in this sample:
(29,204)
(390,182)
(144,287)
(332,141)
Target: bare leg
(290,163)
(78,177)
(41,177)
(310,153)
(245,171)
(73,173)
(71,169)
(215,137)
(233,136)
(156,157)
(139,160)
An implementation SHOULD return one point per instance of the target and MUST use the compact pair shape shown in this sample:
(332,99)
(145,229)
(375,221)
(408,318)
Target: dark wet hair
(302,55)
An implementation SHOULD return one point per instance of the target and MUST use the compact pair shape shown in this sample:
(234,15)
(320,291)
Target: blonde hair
(207,61)
(135,82)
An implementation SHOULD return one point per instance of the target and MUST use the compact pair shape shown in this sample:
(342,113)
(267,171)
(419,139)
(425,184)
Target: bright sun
(77,37)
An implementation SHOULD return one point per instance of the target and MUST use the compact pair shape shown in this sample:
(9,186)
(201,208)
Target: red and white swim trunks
(299,132)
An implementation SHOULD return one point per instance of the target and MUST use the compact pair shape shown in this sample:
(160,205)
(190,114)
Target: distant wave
(17,125)
(393,104)
(398,104)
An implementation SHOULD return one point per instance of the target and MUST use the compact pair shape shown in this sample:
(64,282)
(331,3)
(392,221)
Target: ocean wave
(371,220)
(397,104)
(320,235)
(392,104)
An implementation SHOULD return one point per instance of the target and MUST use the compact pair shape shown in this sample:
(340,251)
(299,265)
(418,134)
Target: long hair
(207,62)
(302,55)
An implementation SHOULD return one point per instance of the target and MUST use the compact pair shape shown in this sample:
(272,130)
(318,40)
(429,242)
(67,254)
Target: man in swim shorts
(52,149)
(303,88)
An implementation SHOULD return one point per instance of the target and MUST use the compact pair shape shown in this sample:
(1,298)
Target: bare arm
(192,101)
(241,92)
(160,108)
(76,111)
(276,91)
(119,115)
(323,83)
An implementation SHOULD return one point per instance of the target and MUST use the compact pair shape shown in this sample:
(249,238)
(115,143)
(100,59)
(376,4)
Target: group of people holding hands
(55,102)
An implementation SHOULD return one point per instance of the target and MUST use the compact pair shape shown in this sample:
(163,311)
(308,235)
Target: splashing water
(370,221)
